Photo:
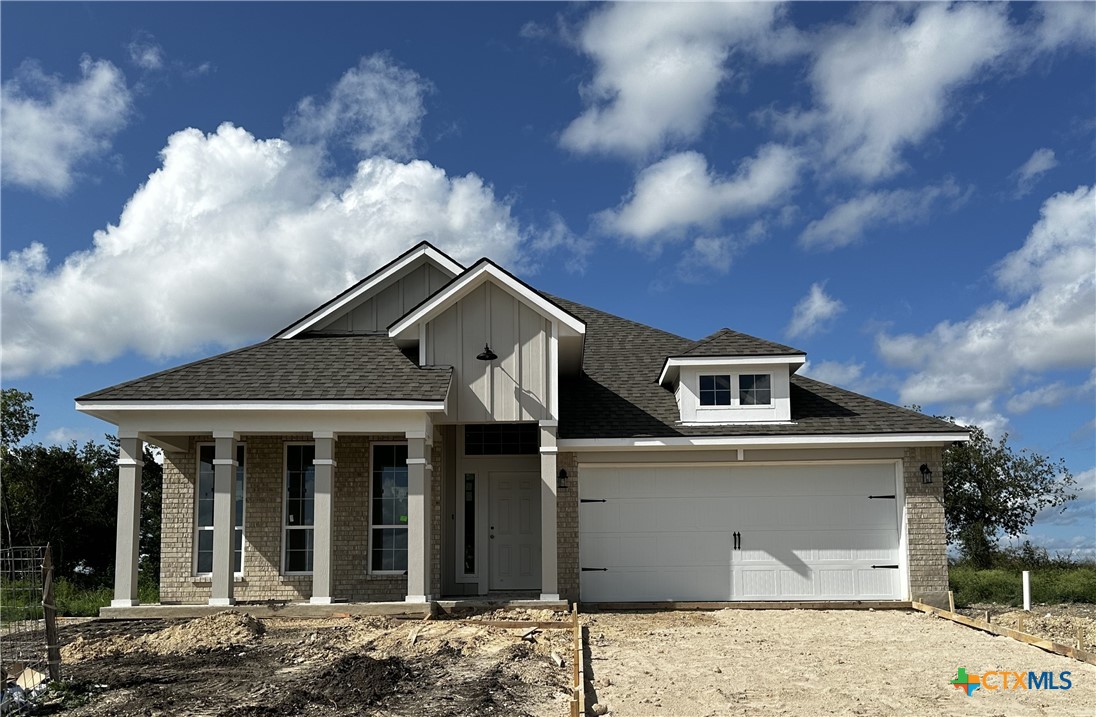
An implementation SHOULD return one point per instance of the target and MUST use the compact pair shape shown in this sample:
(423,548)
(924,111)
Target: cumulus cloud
(1046,323)
(229,239)
(374,108)
(848,375)
(847,222)
(1030,172)
(145,52)
(680,191)
(51,128)
(813,312)
(1049,395)
(887,81)
(658,68)
(1061,25)
(1079,511)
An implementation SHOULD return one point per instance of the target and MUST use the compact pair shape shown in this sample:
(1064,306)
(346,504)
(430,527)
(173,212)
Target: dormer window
(715,390)
(754,389)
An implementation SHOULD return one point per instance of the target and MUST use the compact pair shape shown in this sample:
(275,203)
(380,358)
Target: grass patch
(71,598)
(1049,584)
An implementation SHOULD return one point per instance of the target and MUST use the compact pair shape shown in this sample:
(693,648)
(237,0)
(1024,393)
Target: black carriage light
(562,482)
(926,474)
(487,354)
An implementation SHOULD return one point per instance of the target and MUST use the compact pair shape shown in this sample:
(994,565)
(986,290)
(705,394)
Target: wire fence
(29,653)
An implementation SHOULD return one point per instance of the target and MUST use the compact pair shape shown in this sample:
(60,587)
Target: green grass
(1049,584)
(70,598)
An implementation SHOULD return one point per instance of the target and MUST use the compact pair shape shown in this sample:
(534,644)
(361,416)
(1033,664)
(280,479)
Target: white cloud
(1048,325)
(374,108)
(227,241)
(658,68)
(846,223)
(51,128)
(848,375)
(1030,172)
(145,52)
(886,82)
(711,255)
(1081,510)
(680,192)
(813,312)
(1061,25)
(985,416)
(63,436)
(1049,395)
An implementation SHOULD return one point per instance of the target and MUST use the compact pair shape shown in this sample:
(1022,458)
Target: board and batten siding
(515,386)
(390,302)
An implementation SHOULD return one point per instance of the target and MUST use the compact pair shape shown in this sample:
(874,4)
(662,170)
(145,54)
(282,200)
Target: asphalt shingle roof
(733,343)
(333,368)
(618,396)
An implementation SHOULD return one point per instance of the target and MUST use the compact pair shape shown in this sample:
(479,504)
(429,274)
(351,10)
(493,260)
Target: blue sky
(904,192)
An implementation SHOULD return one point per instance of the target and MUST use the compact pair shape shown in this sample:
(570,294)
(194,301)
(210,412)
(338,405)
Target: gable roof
(734,343)
(312,368)
(617,396)
(460,286)
(422,249)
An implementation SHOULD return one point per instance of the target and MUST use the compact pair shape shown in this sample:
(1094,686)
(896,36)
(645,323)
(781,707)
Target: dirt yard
(1063,624)
(807,663)
(232,665)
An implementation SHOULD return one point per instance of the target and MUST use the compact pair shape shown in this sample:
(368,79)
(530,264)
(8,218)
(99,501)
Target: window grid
(300,506)
(203,511)
(501,439)
(755,389)
(715,390)
(388,509)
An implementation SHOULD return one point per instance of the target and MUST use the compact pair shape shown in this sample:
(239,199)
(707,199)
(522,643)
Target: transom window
(715,390)
(755,389)
(500,439)
(300,507)
(203,524)
(388,516)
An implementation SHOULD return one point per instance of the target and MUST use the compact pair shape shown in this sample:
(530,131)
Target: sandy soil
(808,663)
(232,665)
(1066,624)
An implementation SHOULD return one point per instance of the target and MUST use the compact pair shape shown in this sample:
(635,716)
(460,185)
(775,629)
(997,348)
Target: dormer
(730,377)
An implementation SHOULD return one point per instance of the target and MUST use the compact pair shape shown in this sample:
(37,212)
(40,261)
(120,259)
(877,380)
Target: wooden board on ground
(1032,640)
(773,605)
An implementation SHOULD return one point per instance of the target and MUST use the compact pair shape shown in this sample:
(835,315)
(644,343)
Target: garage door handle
(595,570)
(892,497)
(737,540)
(891,567)
(591,500)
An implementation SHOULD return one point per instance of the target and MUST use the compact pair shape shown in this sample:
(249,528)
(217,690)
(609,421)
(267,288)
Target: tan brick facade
(262,578)
(567,528)
(925,531)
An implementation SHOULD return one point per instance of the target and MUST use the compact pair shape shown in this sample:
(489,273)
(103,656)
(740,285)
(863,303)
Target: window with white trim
(388,509)
(300,506)
(203,509)
(715,390)
(755,389)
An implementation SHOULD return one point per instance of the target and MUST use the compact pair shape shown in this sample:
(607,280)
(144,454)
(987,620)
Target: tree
(991,490)
(17,418)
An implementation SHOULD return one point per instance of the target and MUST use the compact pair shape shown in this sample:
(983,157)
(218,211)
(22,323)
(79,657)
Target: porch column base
(550,597)
(320,600)
(125,603)
(419,598)
(222,602)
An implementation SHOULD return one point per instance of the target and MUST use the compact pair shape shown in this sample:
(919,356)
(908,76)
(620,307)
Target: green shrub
(1049,584)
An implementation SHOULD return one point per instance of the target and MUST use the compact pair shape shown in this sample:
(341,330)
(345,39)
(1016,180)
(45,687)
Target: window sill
(208,580)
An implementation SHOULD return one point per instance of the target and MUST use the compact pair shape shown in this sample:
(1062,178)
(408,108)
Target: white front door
(514,530)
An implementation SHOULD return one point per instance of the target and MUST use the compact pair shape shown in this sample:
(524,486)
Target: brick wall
(925,532)
(262,579)
(567,529)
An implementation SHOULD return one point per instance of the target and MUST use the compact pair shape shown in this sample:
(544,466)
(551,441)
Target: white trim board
(678,361)
(90,406)
(876,440)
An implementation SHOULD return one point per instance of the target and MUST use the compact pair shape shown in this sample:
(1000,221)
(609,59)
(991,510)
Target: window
(715,390)
(755,389)
(469,523)
(203,529)
(388,512)
(300,505)
(500,439)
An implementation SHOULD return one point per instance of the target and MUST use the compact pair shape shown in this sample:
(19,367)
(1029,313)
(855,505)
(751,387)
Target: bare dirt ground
(1063,624)
(232,665)
(804,663)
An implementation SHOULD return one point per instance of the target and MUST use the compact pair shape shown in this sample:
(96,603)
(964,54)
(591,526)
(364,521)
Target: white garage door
(728,533)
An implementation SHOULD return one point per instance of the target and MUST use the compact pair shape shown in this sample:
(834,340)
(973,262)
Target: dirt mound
(517,613)
(224,630)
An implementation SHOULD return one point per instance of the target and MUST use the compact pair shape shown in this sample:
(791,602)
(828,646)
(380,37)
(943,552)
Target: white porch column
(126,552)
(419,475)
(549,580)
(224,517)
(323,517)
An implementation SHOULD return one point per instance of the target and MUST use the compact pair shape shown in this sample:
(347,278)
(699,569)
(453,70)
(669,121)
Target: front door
(514,530)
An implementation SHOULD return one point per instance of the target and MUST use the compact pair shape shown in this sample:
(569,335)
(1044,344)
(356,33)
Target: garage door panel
(807,532)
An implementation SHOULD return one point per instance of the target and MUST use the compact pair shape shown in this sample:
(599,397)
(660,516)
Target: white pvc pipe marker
(1027,590)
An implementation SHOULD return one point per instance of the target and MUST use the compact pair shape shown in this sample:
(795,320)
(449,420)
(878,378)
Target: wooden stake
(1080,637)
(951,601)
(1020,624)
(986,616)
(49,610)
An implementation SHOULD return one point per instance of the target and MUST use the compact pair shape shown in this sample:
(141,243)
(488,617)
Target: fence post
(1027,590)
(49,612)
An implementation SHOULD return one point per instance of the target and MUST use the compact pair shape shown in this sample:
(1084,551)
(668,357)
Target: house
(439,431)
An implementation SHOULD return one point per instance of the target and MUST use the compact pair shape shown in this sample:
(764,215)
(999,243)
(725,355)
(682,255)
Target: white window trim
(241,527)
(736,397)
(285,510)
(369,513)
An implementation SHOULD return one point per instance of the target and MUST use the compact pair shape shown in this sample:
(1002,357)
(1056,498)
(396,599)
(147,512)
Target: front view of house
(443,431)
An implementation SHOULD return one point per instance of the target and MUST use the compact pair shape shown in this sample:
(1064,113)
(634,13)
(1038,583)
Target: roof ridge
(633,322)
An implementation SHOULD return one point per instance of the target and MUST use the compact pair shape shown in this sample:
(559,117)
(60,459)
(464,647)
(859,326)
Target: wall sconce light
(562,482)
(487,354)
(926,474)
